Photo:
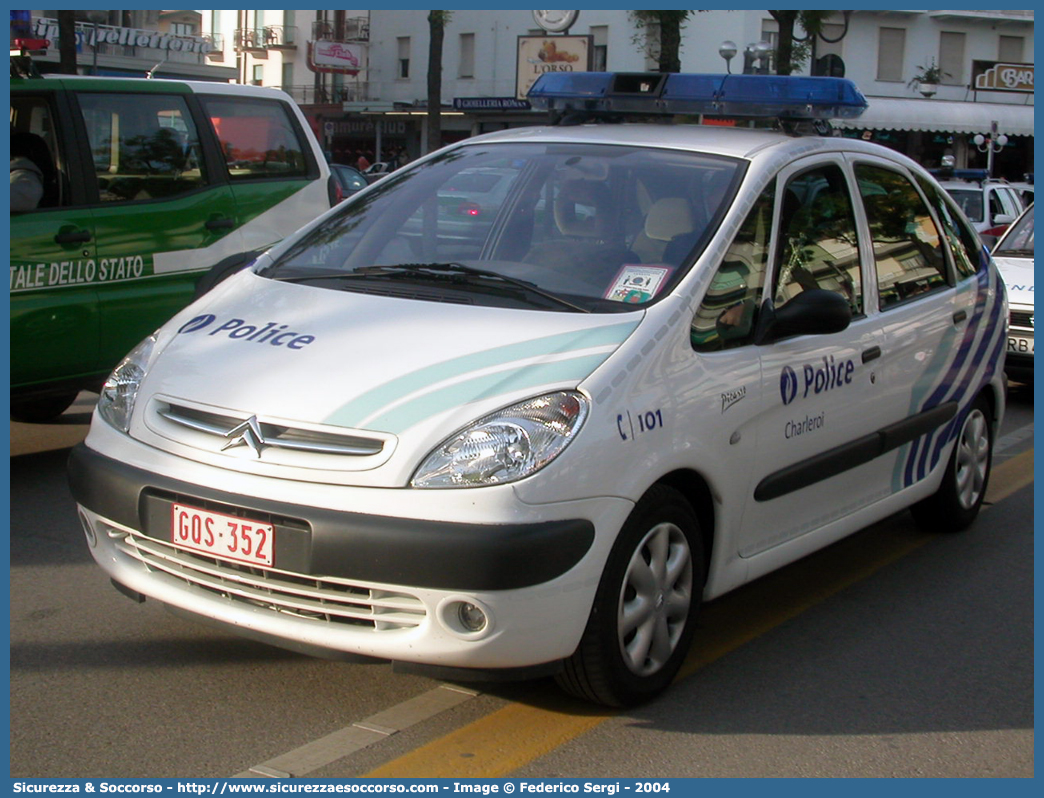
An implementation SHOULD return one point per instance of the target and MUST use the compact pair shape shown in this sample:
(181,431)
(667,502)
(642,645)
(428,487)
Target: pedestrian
(361,163)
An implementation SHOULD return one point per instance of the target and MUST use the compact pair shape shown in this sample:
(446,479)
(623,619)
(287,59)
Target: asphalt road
(891,654)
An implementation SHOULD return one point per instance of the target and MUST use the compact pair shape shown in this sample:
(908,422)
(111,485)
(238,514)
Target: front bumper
(354,582)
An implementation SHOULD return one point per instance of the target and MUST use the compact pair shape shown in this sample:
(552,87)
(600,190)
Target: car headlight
(116,402)
(505,446)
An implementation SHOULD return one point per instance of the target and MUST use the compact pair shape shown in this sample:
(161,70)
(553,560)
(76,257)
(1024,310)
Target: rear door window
(908,250)
(257,137)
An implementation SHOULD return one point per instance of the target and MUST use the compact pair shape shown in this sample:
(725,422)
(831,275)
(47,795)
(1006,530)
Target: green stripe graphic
(357,410)
(401,418)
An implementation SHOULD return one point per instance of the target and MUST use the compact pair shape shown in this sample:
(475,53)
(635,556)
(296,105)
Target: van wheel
(644,612)
(42,409)
(956,504)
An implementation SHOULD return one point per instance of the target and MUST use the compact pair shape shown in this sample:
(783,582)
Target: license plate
(225,536)
(1020,346)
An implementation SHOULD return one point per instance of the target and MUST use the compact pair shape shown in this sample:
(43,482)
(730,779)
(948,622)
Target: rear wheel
(956,504)
(643,616)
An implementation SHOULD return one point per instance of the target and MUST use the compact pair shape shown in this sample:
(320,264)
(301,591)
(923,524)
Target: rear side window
(818,245)
(144,146)
(908,251)
(257,137)
(963,242)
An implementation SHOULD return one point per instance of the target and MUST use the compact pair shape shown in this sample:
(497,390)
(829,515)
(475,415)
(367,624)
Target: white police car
(678,358)
(1014,257)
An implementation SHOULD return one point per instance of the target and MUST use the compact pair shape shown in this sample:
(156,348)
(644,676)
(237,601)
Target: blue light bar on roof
(769,96)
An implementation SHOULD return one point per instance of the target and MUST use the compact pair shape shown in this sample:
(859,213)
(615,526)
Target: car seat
(33,147)
(668,231)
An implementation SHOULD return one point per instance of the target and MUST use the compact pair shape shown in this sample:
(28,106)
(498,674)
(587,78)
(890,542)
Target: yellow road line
(505,740)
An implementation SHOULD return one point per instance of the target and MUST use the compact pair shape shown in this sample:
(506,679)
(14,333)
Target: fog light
(472,618)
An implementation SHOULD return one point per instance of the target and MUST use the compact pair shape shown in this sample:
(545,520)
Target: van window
(257,138)
(144,146)
(35,137)
(729,309)
(818,246)
(908,251)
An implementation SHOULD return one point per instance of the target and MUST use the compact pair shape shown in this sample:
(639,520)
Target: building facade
(154,43)
(361,76)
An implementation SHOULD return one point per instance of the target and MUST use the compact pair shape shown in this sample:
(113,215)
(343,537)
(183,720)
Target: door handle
(220,224)
(73,237)
(872,353)
(960,316)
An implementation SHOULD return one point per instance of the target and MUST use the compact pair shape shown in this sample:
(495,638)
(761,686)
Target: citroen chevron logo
(246,434)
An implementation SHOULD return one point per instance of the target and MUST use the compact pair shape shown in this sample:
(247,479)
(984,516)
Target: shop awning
(941,116)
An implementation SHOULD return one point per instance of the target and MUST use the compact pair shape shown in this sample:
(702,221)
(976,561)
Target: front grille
(272,441)
(1022,319)
(311,598)
(279,436)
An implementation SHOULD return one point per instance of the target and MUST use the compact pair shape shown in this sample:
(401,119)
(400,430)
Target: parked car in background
(349,180)
(990,205)
(1025,190)
(1014,257)
(376,171)
(149,184)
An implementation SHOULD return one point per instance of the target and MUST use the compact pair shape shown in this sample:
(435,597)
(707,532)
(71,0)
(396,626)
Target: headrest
(582,208)
(669,217)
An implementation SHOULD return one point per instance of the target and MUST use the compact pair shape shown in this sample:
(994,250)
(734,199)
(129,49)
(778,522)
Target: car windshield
(970,200)
(568,227)
(1019,239)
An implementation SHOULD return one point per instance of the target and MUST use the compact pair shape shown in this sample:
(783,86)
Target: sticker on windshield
(636,284)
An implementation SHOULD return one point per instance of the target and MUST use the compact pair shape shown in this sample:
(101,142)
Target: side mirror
(1003,218)
(812,312)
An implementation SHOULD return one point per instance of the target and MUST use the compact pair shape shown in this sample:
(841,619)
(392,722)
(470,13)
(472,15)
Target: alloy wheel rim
(655,599)
(973,456)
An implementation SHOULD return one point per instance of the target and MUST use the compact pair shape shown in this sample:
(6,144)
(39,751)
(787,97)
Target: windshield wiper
(463,270)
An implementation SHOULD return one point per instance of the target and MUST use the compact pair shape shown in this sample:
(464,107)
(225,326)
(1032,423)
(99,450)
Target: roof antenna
(152,71)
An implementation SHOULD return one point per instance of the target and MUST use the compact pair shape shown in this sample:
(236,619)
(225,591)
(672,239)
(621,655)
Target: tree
(667,49)
(437,27)
(67,42)
(792,51)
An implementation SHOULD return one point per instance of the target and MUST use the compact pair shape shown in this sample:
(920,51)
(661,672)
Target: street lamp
(728,50)
(756,51)
(95,17)
(989,145)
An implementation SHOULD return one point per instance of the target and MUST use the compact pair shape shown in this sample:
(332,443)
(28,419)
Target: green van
(147,185)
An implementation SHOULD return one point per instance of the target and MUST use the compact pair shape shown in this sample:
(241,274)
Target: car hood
(390,365)
(1018,278)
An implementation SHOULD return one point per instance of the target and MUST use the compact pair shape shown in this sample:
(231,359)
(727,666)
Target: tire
(42,409)
(956,504)
(644,611)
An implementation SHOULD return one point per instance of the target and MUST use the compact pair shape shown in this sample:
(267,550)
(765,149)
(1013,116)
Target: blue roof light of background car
(723,95)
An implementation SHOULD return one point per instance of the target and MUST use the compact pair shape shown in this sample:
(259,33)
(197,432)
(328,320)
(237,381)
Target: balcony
(281,37)
(217,41)
(251,40)
(354,29)
(328,95)
(997,17)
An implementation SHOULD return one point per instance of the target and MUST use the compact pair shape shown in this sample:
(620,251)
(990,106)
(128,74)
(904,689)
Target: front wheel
(644,612)
(956,504)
